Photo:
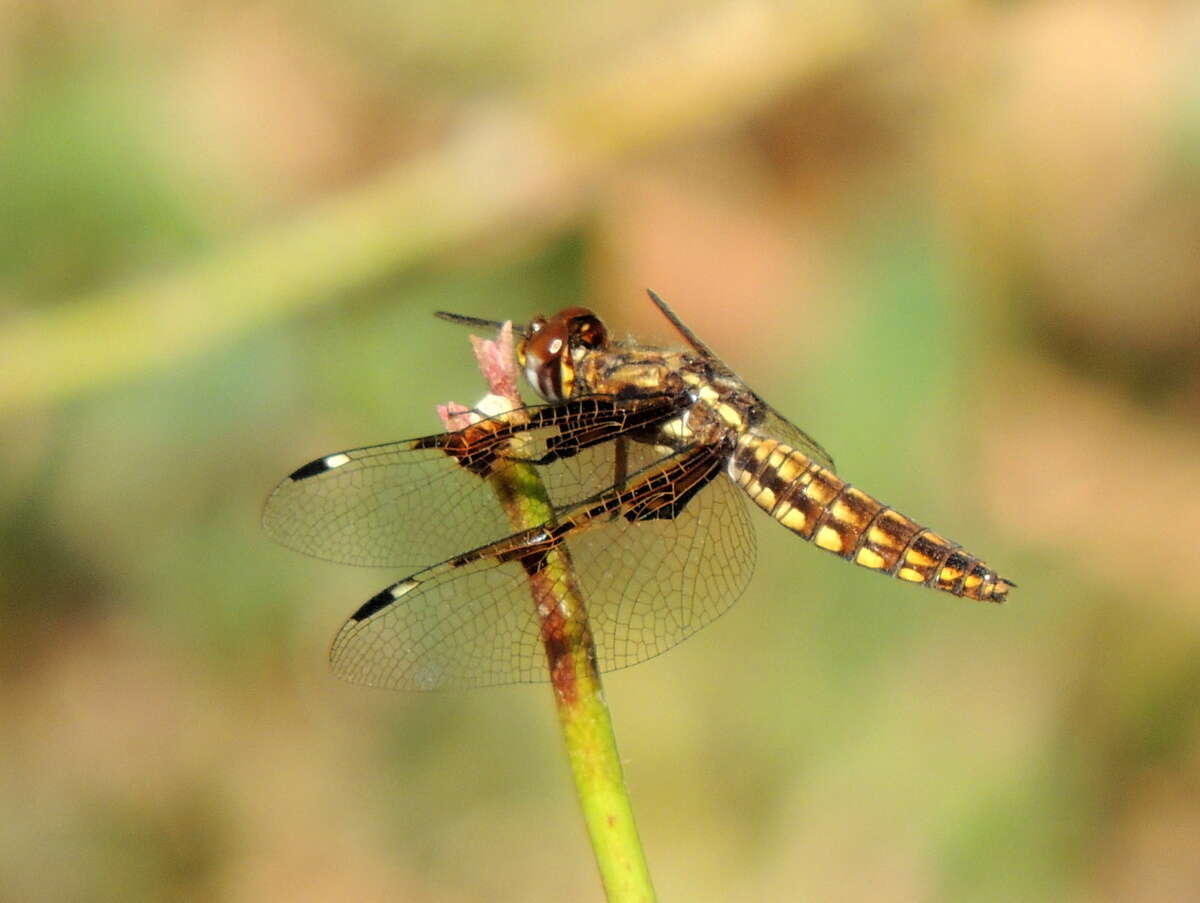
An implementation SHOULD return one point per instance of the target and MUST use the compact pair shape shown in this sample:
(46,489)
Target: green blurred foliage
(86,197)
(963,256)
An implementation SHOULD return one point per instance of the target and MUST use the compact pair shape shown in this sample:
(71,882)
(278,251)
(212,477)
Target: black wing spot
(311,469)
(375,604)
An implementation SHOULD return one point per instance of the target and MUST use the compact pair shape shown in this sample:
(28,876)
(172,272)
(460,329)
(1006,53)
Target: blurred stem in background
(526,159)
(570,648)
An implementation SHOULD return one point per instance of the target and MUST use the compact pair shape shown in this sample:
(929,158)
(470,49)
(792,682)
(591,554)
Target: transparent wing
(410,503)
(778,427)
(651,584)
(648,583)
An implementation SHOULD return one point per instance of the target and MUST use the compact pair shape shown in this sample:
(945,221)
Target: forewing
(410,503)
(647,584)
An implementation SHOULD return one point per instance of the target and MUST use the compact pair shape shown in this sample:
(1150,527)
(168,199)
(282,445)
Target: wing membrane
(409,503)
(779,427)
(648,580)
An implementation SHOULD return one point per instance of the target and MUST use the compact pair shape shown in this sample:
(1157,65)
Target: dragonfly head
(551,348)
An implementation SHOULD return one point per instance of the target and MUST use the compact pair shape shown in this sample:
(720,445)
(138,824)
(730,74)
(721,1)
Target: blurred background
(957,242)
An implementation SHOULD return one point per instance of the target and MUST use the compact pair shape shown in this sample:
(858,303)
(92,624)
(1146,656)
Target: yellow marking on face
(910,575)
(869,558)
(793,519)
(829,538)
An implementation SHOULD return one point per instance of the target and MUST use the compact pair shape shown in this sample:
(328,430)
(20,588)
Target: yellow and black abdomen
(814,502)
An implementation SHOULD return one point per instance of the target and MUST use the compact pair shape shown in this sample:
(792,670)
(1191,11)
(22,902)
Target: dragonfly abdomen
(813,502)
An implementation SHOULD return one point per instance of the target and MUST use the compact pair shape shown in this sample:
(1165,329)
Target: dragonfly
(652,461)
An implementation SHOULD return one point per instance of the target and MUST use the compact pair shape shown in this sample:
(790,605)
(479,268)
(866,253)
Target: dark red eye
(589,331)
(547,351)
(545,339)
(541,354)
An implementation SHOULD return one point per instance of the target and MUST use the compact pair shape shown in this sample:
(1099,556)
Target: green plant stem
(599,781)
(570,656)
(583,713)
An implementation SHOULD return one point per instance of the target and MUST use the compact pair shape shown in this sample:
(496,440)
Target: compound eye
(541,355)
(590,332)
(535,326)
